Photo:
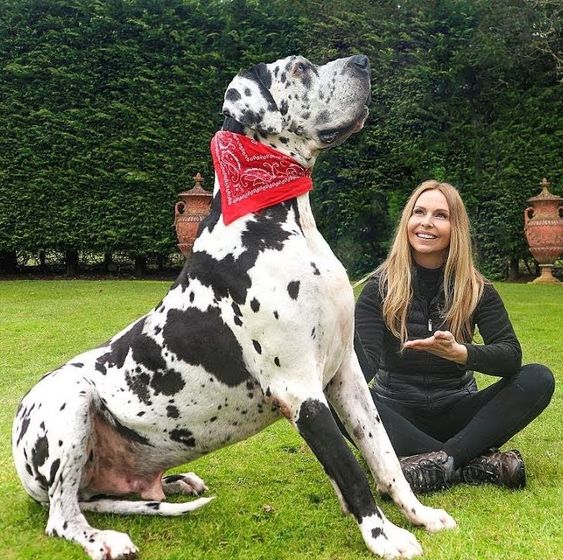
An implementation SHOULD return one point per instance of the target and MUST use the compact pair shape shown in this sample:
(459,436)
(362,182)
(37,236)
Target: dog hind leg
(65,432)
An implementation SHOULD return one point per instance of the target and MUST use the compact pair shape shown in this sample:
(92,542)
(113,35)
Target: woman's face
(429,229)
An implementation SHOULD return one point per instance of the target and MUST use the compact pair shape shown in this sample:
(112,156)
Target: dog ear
(249,101)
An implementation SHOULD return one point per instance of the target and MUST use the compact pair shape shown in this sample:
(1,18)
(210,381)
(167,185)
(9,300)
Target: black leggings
(472,424)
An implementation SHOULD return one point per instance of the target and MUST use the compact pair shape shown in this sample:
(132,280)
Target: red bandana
(253,176)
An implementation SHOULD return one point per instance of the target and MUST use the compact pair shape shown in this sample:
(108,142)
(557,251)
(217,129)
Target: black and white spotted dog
(259,325)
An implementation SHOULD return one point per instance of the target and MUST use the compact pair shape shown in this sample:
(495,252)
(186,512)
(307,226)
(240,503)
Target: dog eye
(299,68)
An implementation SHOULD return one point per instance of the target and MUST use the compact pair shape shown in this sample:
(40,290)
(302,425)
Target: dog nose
(361,61)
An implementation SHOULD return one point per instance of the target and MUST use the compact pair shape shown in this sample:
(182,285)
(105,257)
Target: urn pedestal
(192,208)
(543,226)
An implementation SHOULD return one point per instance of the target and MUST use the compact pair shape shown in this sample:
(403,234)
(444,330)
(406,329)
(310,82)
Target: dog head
(298,107)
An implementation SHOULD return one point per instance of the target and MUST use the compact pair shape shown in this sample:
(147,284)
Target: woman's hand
(442,344)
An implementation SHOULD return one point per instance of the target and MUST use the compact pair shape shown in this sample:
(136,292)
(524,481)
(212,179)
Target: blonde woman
(415,321)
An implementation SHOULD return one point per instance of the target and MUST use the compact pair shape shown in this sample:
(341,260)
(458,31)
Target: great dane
(258,325)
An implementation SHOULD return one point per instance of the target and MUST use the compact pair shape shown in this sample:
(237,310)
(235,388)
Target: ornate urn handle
(179,208)
(528,215)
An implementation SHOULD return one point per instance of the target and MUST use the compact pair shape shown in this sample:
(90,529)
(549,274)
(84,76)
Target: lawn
(273,499)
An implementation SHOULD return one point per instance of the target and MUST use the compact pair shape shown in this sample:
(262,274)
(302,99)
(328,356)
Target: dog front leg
(349,395)
(312,418)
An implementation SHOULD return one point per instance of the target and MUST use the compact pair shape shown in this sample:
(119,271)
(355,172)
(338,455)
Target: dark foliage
(107,109)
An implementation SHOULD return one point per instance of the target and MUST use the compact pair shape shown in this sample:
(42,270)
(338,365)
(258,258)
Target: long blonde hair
(463,284)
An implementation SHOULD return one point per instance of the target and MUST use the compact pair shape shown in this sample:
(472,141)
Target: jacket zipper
(429,325)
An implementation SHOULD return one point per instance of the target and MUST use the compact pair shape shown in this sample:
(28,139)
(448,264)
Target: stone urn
(192,208)
(543,225)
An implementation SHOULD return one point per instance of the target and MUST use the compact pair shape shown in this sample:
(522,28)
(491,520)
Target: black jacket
(419,378)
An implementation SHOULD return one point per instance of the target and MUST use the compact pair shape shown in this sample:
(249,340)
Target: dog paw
(434,520)
(186,483)
(389,541)
(110,545)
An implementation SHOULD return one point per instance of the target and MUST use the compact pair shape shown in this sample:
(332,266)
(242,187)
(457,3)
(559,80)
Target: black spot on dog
(228,277)
(23,428)
(264,75)
(293,289)
(284,108)
(252,118)
(316,271)
(377,532)
(40,452)
(120,348)
(167,383)
(313,333)
(255,305)
(187,334)
(236,309)
(142,413)
(266,232)
(153,505)
(237,321)
(53,472)
(148,353)
(192,296)
(63,406)
(182,436)
(172,411)
(232,95)
(257,346)
(318,427)
(247,92)
(277,361)
(100,364)
(139,386)
(276,315)
(77,364)
(323,117)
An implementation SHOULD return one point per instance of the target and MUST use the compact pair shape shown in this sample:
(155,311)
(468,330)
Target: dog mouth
(335,136)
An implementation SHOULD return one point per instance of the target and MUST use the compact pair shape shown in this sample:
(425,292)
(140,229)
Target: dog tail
(134,507)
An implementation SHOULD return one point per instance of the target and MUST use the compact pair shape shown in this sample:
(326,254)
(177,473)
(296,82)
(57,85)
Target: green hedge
(107,109)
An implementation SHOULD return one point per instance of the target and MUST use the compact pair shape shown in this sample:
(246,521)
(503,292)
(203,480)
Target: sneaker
(504,468)
(428,472)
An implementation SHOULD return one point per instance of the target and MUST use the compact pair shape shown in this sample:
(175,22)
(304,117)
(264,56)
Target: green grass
(273,499)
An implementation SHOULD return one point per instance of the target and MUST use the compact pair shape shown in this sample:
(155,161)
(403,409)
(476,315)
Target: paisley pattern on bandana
(253,176)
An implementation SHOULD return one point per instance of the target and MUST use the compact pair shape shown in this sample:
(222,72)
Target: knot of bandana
(253,176)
